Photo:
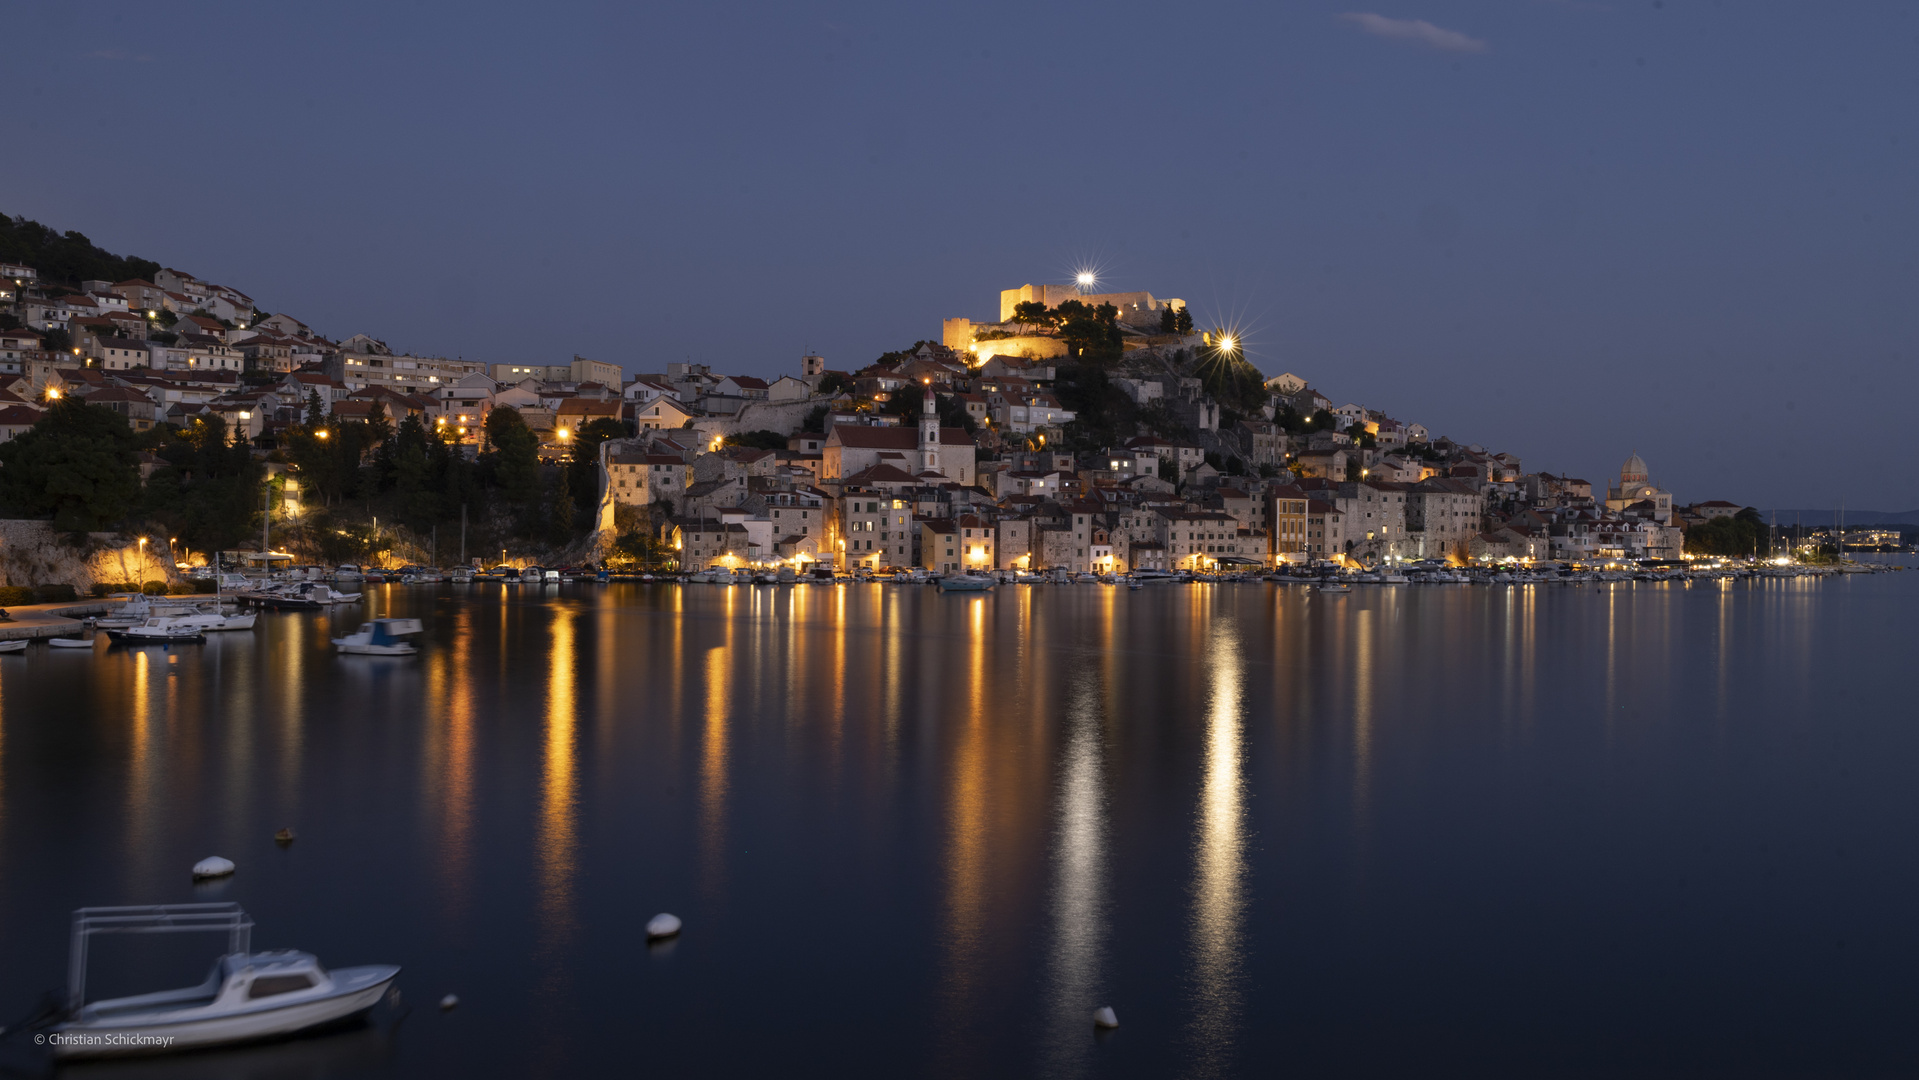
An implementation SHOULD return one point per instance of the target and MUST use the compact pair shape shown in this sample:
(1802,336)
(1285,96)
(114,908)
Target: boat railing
(150,919)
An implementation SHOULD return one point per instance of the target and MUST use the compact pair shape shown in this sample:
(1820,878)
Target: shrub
(108,588)
(54,594)
(204,586)
(154,588)
(15,594)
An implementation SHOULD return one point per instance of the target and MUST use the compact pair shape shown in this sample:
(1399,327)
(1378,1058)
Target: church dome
(1633,471)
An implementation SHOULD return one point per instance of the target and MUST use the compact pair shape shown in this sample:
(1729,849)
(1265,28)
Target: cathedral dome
(1633,471)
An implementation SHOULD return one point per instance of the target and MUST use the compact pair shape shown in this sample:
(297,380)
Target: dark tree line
(65,258)
(80,466)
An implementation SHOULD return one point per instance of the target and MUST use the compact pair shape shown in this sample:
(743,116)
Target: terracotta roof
(894,438)
(878,474)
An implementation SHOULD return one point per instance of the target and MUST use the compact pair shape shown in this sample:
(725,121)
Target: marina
(1225,809)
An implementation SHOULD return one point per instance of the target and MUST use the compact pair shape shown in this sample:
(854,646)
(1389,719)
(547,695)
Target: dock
(52,620)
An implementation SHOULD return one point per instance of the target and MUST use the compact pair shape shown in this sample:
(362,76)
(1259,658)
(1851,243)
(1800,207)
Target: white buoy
(662,925)
(1103,1017)
(213,866)
(449,1001)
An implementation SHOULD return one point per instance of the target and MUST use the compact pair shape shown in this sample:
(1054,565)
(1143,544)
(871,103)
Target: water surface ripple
(1647,829)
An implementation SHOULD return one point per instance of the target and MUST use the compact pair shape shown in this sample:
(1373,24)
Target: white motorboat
(964,583)
(462,575)
(247,996)
(207,619)
(347,572)
(382,637)
(156,632)
(69,643)
(1155,577)
(13,646)
(1332,587)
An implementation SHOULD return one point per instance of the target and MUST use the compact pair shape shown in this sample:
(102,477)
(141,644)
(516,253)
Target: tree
(1034,313)
(900,356)
(209,488)
(513,455)
(1184,322)
(758,440)
(1741,535)
(316,410)
(1090,333)
(583,461)
(1168,321)
(815,420)
(834,382)
(65,258)
(77,465)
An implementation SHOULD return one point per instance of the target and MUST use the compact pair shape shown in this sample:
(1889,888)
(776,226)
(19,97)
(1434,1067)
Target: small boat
(348,572)
(247,996)
(206,620)
(157,632)
(964,583)
(13,646)
(1332,587)
(69,643)
(381,637)
(462,575)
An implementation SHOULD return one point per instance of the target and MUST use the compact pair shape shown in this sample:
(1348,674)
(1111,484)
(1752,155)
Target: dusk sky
(1563,228)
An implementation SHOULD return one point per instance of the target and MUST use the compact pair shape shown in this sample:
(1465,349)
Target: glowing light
(1228,343)
(1085,279)
(563,433)
(320,434)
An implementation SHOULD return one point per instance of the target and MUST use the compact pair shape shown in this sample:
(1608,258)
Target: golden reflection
(713,765)
(1079,881)
(559,842)
(1219,898)
(968,848)
(142,762)
(1363,678)
(456,770)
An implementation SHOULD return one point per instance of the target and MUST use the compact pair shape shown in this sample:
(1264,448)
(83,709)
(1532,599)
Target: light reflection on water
(1264,826)
(1219,885)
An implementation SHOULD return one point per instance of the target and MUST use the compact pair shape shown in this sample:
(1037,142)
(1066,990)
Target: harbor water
(1646,828)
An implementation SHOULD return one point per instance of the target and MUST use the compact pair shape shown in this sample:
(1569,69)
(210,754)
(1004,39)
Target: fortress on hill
(1137,310)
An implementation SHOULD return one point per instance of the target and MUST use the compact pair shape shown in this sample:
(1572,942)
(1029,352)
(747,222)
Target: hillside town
(976,452)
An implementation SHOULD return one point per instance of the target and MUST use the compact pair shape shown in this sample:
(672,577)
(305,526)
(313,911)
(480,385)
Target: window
(269,985)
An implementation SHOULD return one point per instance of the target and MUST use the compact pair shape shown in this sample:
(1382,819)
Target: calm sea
(1649,829)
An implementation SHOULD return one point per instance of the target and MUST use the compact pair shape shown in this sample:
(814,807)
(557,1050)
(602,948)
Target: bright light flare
(1085,279)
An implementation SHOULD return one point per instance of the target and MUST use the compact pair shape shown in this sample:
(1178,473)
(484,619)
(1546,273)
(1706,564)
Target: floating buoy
(449,1002)
(1103,1017)
(213,866)
(662,925)
(283,837)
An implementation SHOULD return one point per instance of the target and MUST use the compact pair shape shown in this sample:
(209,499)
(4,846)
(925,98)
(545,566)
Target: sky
(1570,229)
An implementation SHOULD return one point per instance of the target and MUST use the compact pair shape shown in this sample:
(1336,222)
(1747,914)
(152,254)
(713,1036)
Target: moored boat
(156,632)
(247,996)
(964,583)
(381,637)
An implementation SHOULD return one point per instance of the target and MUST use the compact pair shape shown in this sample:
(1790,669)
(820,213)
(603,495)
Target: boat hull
(131,637)
(144,1036)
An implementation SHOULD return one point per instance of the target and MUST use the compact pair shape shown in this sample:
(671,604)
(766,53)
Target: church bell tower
(929,433)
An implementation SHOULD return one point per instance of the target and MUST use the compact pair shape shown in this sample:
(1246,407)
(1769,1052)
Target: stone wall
(31,553)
